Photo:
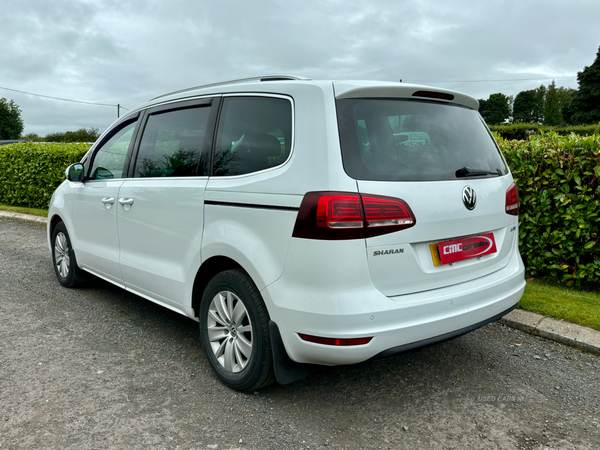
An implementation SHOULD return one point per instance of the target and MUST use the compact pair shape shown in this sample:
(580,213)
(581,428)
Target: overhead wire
(64,99)
(487,81)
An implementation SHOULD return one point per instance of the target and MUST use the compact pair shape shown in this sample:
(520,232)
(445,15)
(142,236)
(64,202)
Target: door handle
(108,200)
(126,201)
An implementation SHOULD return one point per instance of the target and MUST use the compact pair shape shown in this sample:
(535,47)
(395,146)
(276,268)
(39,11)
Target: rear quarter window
(411,140)
(254,134)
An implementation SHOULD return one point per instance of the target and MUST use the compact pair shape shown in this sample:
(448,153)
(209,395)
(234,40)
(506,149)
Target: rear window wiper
(470,172)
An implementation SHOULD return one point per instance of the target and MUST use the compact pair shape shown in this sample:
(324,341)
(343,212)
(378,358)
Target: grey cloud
(110,51)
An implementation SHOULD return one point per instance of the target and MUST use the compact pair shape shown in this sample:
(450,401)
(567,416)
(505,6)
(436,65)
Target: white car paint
(339,289)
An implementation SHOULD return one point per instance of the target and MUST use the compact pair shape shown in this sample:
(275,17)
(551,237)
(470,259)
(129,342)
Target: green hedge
(30,172)
(558,181)
(519,130)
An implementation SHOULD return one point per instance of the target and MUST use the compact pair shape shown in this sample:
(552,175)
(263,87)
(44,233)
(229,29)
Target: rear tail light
(385,211)
(512,200)
(346,215)
(335,341)
(339,211)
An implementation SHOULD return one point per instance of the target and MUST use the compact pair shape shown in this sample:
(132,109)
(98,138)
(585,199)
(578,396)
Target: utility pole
(118,111)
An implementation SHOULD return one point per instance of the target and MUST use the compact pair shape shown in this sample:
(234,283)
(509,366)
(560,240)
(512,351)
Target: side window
(171,145)
(255,133)
(109,159)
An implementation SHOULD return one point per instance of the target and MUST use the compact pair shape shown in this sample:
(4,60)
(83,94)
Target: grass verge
(571,305)
(24,210)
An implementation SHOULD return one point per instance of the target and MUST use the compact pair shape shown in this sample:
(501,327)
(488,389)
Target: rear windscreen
(411,140)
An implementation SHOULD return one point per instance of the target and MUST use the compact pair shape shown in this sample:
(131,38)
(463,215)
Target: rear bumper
(391,352)
(396,324)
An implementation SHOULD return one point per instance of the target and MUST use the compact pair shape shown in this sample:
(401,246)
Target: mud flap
(286,370)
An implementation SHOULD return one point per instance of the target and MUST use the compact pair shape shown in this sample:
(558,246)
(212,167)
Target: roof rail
(240,80)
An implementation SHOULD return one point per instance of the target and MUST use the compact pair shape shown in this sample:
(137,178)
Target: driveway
(97,368)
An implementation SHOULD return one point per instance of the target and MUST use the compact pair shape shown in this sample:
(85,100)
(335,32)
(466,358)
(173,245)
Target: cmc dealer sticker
(465,248)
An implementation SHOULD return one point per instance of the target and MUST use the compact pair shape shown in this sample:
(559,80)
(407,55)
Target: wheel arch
(54,220)
(206,272)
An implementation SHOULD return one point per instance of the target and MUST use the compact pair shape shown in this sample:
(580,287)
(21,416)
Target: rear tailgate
(425,146)
(402,262)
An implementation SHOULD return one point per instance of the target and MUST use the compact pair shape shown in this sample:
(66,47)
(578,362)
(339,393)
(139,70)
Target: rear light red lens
(339,211)
(347,215)
(385,211)
(334,341)
(512,200)
(331,216)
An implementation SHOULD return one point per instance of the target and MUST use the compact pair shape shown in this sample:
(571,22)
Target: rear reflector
(512,200)
(347,215)
(334,341)
(432,94)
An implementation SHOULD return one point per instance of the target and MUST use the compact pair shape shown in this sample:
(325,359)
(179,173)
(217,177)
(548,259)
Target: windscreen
(412,140)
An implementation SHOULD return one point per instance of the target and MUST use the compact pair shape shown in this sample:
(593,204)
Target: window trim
(216,132)
(214,102)
(126,121)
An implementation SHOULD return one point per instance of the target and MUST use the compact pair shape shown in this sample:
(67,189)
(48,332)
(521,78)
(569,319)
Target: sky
(124,52)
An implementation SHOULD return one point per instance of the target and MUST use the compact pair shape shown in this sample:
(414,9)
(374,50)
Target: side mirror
(74,172)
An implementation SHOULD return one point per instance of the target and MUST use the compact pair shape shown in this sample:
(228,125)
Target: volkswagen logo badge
(469,198)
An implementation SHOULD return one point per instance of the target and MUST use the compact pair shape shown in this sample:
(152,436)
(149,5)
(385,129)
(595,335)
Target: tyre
(234,329)
(63,258)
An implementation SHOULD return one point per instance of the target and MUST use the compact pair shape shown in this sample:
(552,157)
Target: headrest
(260,145)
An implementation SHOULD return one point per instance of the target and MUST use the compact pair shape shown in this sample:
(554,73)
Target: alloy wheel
(229,331)
(61,255)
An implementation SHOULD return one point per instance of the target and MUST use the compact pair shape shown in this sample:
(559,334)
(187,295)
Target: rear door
(441,160)
(245,216)
(160,218)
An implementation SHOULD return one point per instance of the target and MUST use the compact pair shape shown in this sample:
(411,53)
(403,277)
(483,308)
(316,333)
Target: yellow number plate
(435,254)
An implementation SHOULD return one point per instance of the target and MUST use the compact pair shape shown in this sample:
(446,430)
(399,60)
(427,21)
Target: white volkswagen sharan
(299,221)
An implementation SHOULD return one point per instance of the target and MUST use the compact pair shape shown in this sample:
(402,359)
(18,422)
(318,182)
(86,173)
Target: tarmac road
(98,368)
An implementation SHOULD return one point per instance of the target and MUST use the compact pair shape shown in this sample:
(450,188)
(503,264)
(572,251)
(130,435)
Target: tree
(529,105)
(524,107)
(33,137)
(552,114)
(81,135)
(482,105)
(540,101)
(565,98)
(586,100)
(58,136)
(11,124)
(495,109)
(511,105)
